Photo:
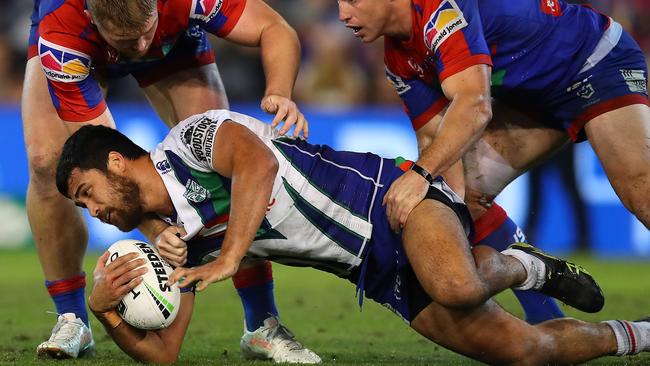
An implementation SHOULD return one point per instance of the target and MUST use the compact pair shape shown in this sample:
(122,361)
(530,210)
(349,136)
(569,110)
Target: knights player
(557,72)
(74,46)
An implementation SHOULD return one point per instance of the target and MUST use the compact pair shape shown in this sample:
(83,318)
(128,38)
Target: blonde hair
(123,14)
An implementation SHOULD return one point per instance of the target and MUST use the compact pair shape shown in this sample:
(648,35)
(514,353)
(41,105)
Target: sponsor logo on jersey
(195,192)
(445,21)
(63,64)
(205,10)
(163,166)
(636,80)
(400,86)
(199,137)
(551,7)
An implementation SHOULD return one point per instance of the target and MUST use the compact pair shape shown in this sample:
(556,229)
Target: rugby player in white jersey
(303,204)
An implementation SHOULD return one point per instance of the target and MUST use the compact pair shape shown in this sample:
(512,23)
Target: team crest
(195,192)
(205,10)
(444,22)
(63,64)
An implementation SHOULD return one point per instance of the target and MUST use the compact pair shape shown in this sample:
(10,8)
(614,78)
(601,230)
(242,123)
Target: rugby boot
(70,338)
(566,281)
(273,341)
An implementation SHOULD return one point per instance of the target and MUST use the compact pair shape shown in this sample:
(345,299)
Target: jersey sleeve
(454,34)
(421,100)
(194,138)
(218,17)
(66,62)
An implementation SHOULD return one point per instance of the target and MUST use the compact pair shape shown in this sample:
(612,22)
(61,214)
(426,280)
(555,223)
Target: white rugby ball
(152,304)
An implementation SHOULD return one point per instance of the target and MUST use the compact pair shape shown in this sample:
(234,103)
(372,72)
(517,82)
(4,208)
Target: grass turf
(320,308)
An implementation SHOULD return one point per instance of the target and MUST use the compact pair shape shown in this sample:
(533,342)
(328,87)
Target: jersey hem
(465,64)
(576,129)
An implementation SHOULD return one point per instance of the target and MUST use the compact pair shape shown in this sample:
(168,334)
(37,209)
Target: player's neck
(400,23)
(155,198)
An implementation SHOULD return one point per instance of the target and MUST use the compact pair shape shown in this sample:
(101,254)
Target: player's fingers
(124,289)
(176,275)
(305,126)
(190,277)
(130,275)
(101,261)
(292,115)
(119,261)
(280,115)
(300,125)
(116,272)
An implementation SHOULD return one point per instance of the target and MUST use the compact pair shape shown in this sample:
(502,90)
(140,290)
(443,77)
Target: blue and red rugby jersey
(76,59)
(533,46)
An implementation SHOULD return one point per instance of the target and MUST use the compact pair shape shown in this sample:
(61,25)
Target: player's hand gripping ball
(152,304)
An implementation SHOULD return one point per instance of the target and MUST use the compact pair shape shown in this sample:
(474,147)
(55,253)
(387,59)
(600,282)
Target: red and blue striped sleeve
(75,93)
(454,33)
(218,17)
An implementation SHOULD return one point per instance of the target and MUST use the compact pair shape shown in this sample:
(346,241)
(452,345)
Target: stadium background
(350,105)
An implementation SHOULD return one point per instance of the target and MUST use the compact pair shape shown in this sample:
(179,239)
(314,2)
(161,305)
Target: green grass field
(320,308)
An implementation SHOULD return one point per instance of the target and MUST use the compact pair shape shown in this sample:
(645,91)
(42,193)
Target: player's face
(112,198)
(366,18)
(132,44)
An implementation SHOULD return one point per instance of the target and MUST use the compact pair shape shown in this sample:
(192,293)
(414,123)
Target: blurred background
(563,206)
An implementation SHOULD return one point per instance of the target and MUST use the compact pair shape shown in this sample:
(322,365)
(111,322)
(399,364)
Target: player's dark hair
(123,14)
(88,148)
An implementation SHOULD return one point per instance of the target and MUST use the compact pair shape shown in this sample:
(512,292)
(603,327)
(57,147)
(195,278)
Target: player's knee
(42,166)
(460,294)
(634,194)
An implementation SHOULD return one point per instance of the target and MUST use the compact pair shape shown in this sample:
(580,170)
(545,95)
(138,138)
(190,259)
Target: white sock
(631,337)
(535,269)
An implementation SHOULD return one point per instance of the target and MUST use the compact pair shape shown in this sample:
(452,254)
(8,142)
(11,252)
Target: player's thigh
(439,253)
(486,332)
(621,139)
(43,130)
(187,92)
(510,145)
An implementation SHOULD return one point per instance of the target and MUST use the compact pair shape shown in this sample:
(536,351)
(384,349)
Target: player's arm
(239,154)
(467,115)
(111,283)
(261,26)
(166,238)
(454,176)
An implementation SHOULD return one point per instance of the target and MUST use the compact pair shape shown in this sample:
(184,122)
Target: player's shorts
(385,275)
(614,76)
(191,50)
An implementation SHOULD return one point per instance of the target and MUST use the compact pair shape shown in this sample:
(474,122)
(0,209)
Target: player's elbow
(159,357)
(483,110)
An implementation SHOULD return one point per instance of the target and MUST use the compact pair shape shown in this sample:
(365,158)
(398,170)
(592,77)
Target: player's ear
(89,16)
(116,162)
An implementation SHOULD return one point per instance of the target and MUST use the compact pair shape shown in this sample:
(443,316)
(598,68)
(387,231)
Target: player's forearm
(463,124)
(141,345)
(151,226)
(280,57)
(250,196)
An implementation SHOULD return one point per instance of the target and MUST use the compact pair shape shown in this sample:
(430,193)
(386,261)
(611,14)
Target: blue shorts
(386,276)
(617,80)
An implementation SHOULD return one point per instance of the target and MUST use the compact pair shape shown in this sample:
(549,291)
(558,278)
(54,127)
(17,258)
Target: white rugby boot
(273,341)
(70,338)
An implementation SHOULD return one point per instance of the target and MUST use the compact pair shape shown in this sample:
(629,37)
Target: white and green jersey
(321,203)
(325,204)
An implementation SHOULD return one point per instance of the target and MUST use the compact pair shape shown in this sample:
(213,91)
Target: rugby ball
(152,304)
